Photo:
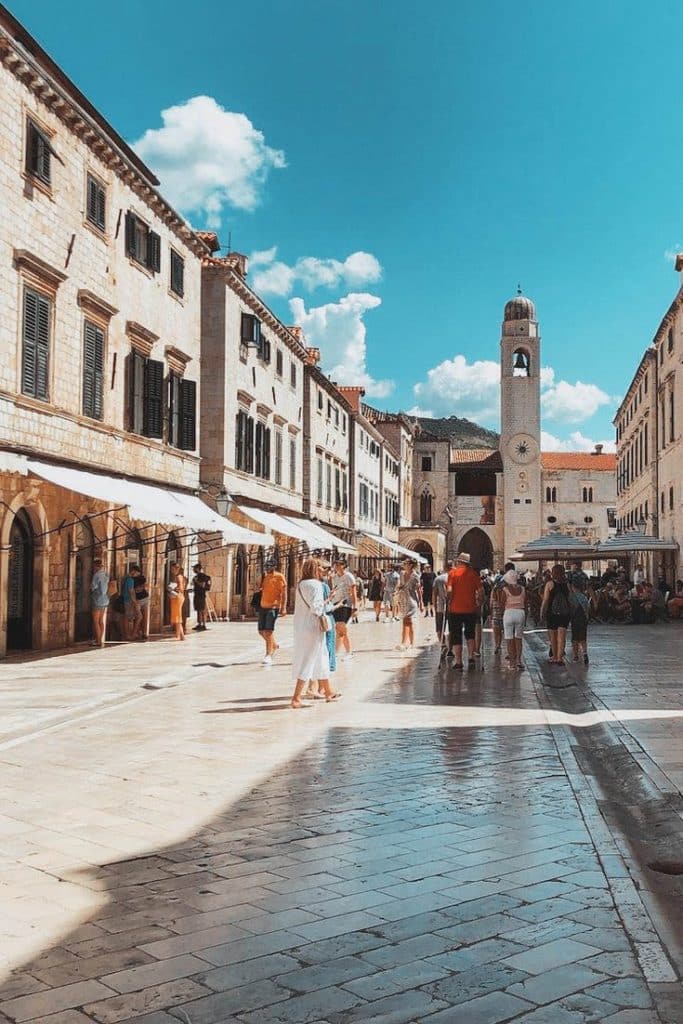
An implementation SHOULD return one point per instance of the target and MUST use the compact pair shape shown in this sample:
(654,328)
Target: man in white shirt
(345,598)
(391,582)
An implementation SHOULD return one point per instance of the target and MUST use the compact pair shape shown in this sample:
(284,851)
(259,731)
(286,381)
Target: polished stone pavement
(177,845)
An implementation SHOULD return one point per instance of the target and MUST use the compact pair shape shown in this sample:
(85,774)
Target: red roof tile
(605,463)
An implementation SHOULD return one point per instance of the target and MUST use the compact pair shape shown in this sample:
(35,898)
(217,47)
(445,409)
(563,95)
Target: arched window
(425,507)
(587,494)
(548,497)
(521,363)
(554,493)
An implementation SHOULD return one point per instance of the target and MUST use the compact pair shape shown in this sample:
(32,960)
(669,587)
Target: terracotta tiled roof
(606,463)
(488,458)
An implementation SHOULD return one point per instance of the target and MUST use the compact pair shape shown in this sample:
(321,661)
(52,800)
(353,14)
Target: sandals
(333,696)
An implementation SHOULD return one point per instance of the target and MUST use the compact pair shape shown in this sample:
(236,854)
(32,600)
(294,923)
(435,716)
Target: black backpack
(559,604)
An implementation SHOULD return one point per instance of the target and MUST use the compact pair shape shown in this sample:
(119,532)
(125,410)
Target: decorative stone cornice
(141,338)
(177,360)
(245,398)
(219,266)
(263,410)
(38,270)
(95,306)
(32,66)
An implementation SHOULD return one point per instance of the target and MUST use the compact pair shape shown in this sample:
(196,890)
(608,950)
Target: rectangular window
(262,451)
(278,362)
(671,498)
(320,401)
(93,370)
(320,481)
(337,488)
(250,331)
(145,395)
(292,463)
(426,463)
(96,203)
(244,442)
(343,423)
(35,357)
(177,273)
(645,444)
(292,374)
(142,245)
(182,413)
(328,484)
(671,416)
(329,409)
(345,492)
(278,455)
(38,152)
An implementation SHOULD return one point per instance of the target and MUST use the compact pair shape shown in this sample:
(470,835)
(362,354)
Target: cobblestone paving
(391,870)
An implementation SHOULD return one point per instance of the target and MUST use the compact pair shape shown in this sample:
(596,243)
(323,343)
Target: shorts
(131,611)
(200,602)
(579,634)
(457,621)
(342,614)
(513,623)
(558,621)
(266,619)
(388,598)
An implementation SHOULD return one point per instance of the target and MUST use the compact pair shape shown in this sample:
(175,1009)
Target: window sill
(180,299)
(97,231)
(142,268)
(31,182)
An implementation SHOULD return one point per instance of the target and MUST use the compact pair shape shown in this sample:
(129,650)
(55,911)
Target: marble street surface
(176,844)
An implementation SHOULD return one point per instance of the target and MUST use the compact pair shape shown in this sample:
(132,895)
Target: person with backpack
(557,612)
(580,614)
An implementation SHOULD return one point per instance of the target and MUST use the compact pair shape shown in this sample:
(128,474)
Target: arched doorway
(479,547)
(421,547)
(240,578)
(20,584)
(84,544)
(173,554)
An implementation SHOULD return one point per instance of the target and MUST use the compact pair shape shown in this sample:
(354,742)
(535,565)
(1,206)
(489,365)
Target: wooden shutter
(174,410)
(135,371)
(131,245)
(37,153)
(259,449)
(153,387)
(188,424)
(239,440)
(177,273)
(36,345)
(96,203)
(93,368)
(249,446)
(153,251)
(266,454)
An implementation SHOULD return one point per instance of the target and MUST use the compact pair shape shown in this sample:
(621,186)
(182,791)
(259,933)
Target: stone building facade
(650,443)
(327,446)
(99,349)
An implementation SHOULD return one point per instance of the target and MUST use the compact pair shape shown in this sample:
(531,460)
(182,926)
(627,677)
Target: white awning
(395,549)
(276,523)
(10,462)
(148,503)
(321,538)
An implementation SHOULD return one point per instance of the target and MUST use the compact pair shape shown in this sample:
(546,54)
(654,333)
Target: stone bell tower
(520,422)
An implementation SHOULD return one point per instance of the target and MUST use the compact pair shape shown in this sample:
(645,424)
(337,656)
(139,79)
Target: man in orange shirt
(273,603)
(465,596)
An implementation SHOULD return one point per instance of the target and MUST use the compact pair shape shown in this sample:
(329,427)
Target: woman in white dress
(311,658)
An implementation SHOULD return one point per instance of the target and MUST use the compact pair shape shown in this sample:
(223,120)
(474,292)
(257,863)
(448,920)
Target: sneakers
(267,660)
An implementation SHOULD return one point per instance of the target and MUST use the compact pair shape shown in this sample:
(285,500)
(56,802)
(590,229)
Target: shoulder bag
(323,620)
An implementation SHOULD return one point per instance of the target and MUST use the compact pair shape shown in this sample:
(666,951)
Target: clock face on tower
(522,448)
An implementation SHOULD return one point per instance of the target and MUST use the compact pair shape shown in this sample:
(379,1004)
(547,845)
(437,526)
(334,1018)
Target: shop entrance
(20,585)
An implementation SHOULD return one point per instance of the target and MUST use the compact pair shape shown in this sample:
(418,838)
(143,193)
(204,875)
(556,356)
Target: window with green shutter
(36,345)
(177,273)
(38,152)
(153,392)
(96,203)
(174,410)
(142,245)
(188,415)
(135,372)
(93,370)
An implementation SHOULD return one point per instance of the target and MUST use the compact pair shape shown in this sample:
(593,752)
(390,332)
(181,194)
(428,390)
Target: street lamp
(224,503)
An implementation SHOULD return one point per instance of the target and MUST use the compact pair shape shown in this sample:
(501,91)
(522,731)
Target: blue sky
(410,164)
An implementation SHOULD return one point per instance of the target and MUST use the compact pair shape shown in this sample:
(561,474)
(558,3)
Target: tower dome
(519,308)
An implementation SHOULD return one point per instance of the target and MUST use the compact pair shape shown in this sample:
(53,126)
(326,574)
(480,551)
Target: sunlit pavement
(179,845)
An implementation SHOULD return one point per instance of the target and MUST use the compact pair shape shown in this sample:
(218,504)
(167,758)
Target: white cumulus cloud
(572,403)
(277,278)
(338,330)
(207,158)
(576,442)
(458,388)
(415,410)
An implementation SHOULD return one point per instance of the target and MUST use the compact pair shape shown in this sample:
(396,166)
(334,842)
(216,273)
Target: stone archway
(84,543)
(20,584)
(478,546)
(421,547)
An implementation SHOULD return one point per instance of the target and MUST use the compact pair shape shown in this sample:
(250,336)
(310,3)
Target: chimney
(311,356)
(237,262)
(352,395)
(598,449)
(210,240)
